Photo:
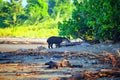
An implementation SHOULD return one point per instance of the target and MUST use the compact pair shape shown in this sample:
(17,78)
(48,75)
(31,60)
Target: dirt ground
(12,44)
(24,59)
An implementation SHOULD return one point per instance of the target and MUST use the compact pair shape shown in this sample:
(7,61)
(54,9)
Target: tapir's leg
(49,45)
(58,45)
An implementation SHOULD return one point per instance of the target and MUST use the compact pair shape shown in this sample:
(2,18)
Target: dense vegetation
(86,19)
(93,19)
(36,19)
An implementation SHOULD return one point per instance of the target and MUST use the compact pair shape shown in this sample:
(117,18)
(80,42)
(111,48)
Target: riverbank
(13,44)
(8,44)
(24,59)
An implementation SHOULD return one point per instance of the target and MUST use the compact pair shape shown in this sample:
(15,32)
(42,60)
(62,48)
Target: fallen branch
(64,63)
(54,64)
(110,72)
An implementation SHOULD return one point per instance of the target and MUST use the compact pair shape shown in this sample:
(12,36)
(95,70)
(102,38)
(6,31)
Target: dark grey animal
(55,40)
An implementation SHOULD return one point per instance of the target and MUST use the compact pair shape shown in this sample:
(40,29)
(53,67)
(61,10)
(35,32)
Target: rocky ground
(24,59)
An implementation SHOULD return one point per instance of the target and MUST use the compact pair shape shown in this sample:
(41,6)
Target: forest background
(86,19)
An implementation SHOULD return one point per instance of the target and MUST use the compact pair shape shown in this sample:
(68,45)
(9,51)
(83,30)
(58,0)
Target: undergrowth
(41,30)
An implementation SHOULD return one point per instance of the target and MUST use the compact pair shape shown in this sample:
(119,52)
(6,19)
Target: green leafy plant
(93,19)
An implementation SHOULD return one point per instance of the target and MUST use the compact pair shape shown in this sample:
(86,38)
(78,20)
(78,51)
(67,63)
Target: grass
(41,30)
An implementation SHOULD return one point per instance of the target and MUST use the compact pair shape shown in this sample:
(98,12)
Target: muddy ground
(27,62)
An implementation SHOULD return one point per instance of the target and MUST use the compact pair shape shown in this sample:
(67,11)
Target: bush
(42,30)
(93,20)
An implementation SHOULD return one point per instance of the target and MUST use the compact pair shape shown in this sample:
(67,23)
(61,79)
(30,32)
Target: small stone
(41,48)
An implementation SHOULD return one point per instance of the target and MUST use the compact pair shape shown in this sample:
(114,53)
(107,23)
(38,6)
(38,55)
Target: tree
(75,26)
(37,11)
(17,11)
(10,13)
(1,3)
(5,14)
(60,9)
(95,19)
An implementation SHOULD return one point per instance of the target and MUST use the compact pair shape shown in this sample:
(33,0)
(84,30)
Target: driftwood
(111,58)
(102,73)
(107,58)
(86,75)
(54,64)
(111,72)
(64,63)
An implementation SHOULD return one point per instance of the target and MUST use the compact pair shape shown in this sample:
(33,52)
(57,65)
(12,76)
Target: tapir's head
(65,40)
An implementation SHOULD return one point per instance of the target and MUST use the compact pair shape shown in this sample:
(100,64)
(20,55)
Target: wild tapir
(56,40)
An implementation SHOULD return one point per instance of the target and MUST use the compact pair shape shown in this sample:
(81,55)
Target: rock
(110,45)
(41,48)
(22,50)
(108,42)
(64,43)
(85,44)
(57,56)
(77,76)
(76,66)
(94,62)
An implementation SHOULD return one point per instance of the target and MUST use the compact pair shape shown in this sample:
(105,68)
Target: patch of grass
(41,30)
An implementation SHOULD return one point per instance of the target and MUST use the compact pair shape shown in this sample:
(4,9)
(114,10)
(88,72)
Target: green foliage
(60,9)
(42,30)
(11,13)
(33,20)
(36,11)
(93,19)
